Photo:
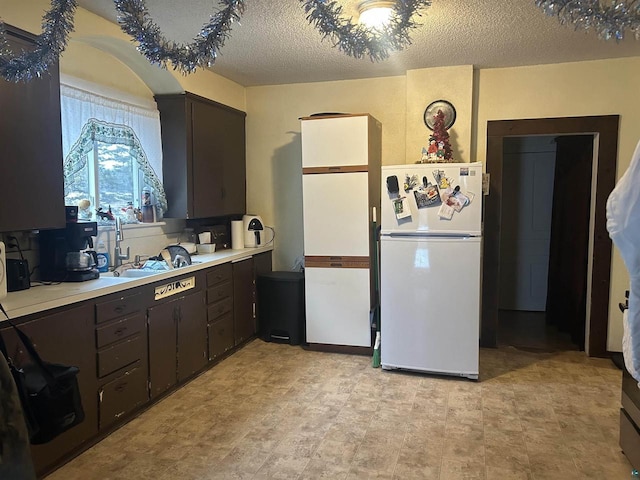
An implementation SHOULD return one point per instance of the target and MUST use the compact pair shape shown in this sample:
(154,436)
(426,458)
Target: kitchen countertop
(45,297)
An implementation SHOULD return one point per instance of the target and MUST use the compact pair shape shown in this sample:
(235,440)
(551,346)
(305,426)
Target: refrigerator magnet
(422,200)
(392,185)
(427,197)
(410,182)
(401,208)
(446,212)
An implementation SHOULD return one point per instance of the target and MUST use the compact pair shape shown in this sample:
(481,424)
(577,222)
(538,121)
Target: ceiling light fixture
(609,19)
(375,13)
(358,40)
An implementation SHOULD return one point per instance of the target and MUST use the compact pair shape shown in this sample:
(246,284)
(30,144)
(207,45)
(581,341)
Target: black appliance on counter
(17,275)
(64,256)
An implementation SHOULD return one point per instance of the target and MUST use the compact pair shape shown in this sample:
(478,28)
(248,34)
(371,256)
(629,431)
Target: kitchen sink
(140,272)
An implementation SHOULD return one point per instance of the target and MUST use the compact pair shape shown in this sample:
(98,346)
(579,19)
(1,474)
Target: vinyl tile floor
(277,411)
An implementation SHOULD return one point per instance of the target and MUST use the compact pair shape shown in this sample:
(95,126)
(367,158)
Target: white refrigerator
(430,248)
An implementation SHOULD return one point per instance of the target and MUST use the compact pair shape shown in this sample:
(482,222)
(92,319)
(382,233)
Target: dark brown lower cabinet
(244,325)
(131,349)
(67,338)
(163,337)
(122,357)
(177,341)
(192,335)
(221,336)
(123,394)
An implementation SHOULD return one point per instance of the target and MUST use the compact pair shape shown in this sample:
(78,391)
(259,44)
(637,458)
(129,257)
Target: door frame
(605,131)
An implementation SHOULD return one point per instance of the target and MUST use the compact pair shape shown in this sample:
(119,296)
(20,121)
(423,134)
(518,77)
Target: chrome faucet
(118,257)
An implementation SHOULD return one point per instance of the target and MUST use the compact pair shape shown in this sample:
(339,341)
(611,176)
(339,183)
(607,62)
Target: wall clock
(432,109)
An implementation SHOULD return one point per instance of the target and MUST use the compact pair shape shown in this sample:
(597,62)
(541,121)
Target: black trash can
(281,307)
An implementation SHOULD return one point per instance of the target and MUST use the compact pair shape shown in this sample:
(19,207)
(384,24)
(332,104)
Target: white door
(337,306)
(430,304)
(527,204)
(335,141)
(336,214)
(468,176)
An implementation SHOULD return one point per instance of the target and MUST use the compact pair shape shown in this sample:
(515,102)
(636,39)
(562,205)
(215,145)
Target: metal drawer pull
(120,331)
(121,387)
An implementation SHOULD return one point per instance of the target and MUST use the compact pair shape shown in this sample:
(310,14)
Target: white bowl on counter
(206,247)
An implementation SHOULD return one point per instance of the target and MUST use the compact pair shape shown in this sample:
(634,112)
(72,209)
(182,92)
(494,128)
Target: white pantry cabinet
(341,157)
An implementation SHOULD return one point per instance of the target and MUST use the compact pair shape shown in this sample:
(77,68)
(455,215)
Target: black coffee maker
(64,256)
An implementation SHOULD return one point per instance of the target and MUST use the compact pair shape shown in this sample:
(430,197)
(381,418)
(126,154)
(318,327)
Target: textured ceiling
(274,43)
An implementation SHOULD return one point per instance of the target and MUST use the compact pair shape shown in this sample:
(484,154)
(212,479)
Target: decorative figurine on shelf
(130,213)
(148,214)
(108,215)
(84,210)
(439,150)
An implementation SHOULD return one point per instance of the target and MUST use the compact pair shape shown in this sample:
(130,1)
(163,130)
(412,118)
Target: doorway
(604,130)
(544,243)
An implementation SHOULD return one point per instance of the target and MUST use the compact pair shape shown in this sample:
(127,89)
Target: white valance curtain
(80,102)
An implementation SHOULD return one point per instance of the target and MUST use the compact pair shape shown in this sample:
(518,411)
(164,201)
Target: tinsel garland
(359,41)
(134,20)
(57,24)
(609,19)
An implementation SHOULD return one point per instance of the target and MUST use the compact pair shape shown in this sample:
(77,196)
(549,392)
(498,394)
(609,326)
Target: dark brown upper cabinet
(203,148)
(31,183)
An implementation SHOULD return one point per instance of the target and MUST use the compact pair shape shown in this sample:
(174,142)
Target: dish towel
(15,452)
(623,224)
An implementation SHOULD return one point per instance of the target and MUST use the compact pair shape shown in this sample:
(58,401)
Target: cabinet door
(219,167)
(337,306)
(334,141)
(192,335)
(243,304)
(221,336)
(31,183)
(338,224)
(208,134)
(67,338)
(162,346)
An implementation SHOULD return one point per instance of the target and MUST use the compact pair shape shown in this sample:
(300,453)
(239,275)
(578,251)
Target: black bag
(49,394)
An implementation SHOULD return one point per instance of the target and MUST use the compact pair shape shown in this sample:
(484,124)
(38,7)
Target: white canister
(237,234)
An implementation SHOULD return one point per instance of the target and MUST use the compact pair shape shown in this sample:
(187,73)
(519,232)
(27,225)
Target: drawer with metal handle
(118,307)
(121,355)
(218,309)
(219,292)
(219,274)
(122,395)
(119,330)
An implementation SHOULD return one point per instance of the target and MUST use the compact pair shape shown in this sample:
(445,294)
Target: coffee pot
(67,255)
(81,261)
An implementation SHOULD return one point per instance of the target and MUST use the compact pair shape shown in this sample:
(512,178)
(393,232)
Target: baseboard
(352,350)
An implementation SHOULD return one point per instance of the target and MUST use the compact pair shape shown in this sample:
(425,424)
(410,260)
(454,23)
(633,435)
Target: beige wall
(100,51)
(274,157)
(454,84)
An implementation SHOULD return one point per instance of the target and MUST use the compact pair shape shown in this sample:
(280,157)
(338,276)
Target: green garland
(359,41)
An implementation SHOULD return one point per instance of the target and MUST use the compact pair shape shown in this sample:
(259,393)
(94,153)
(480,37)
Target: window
(112,151)
(107,170)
